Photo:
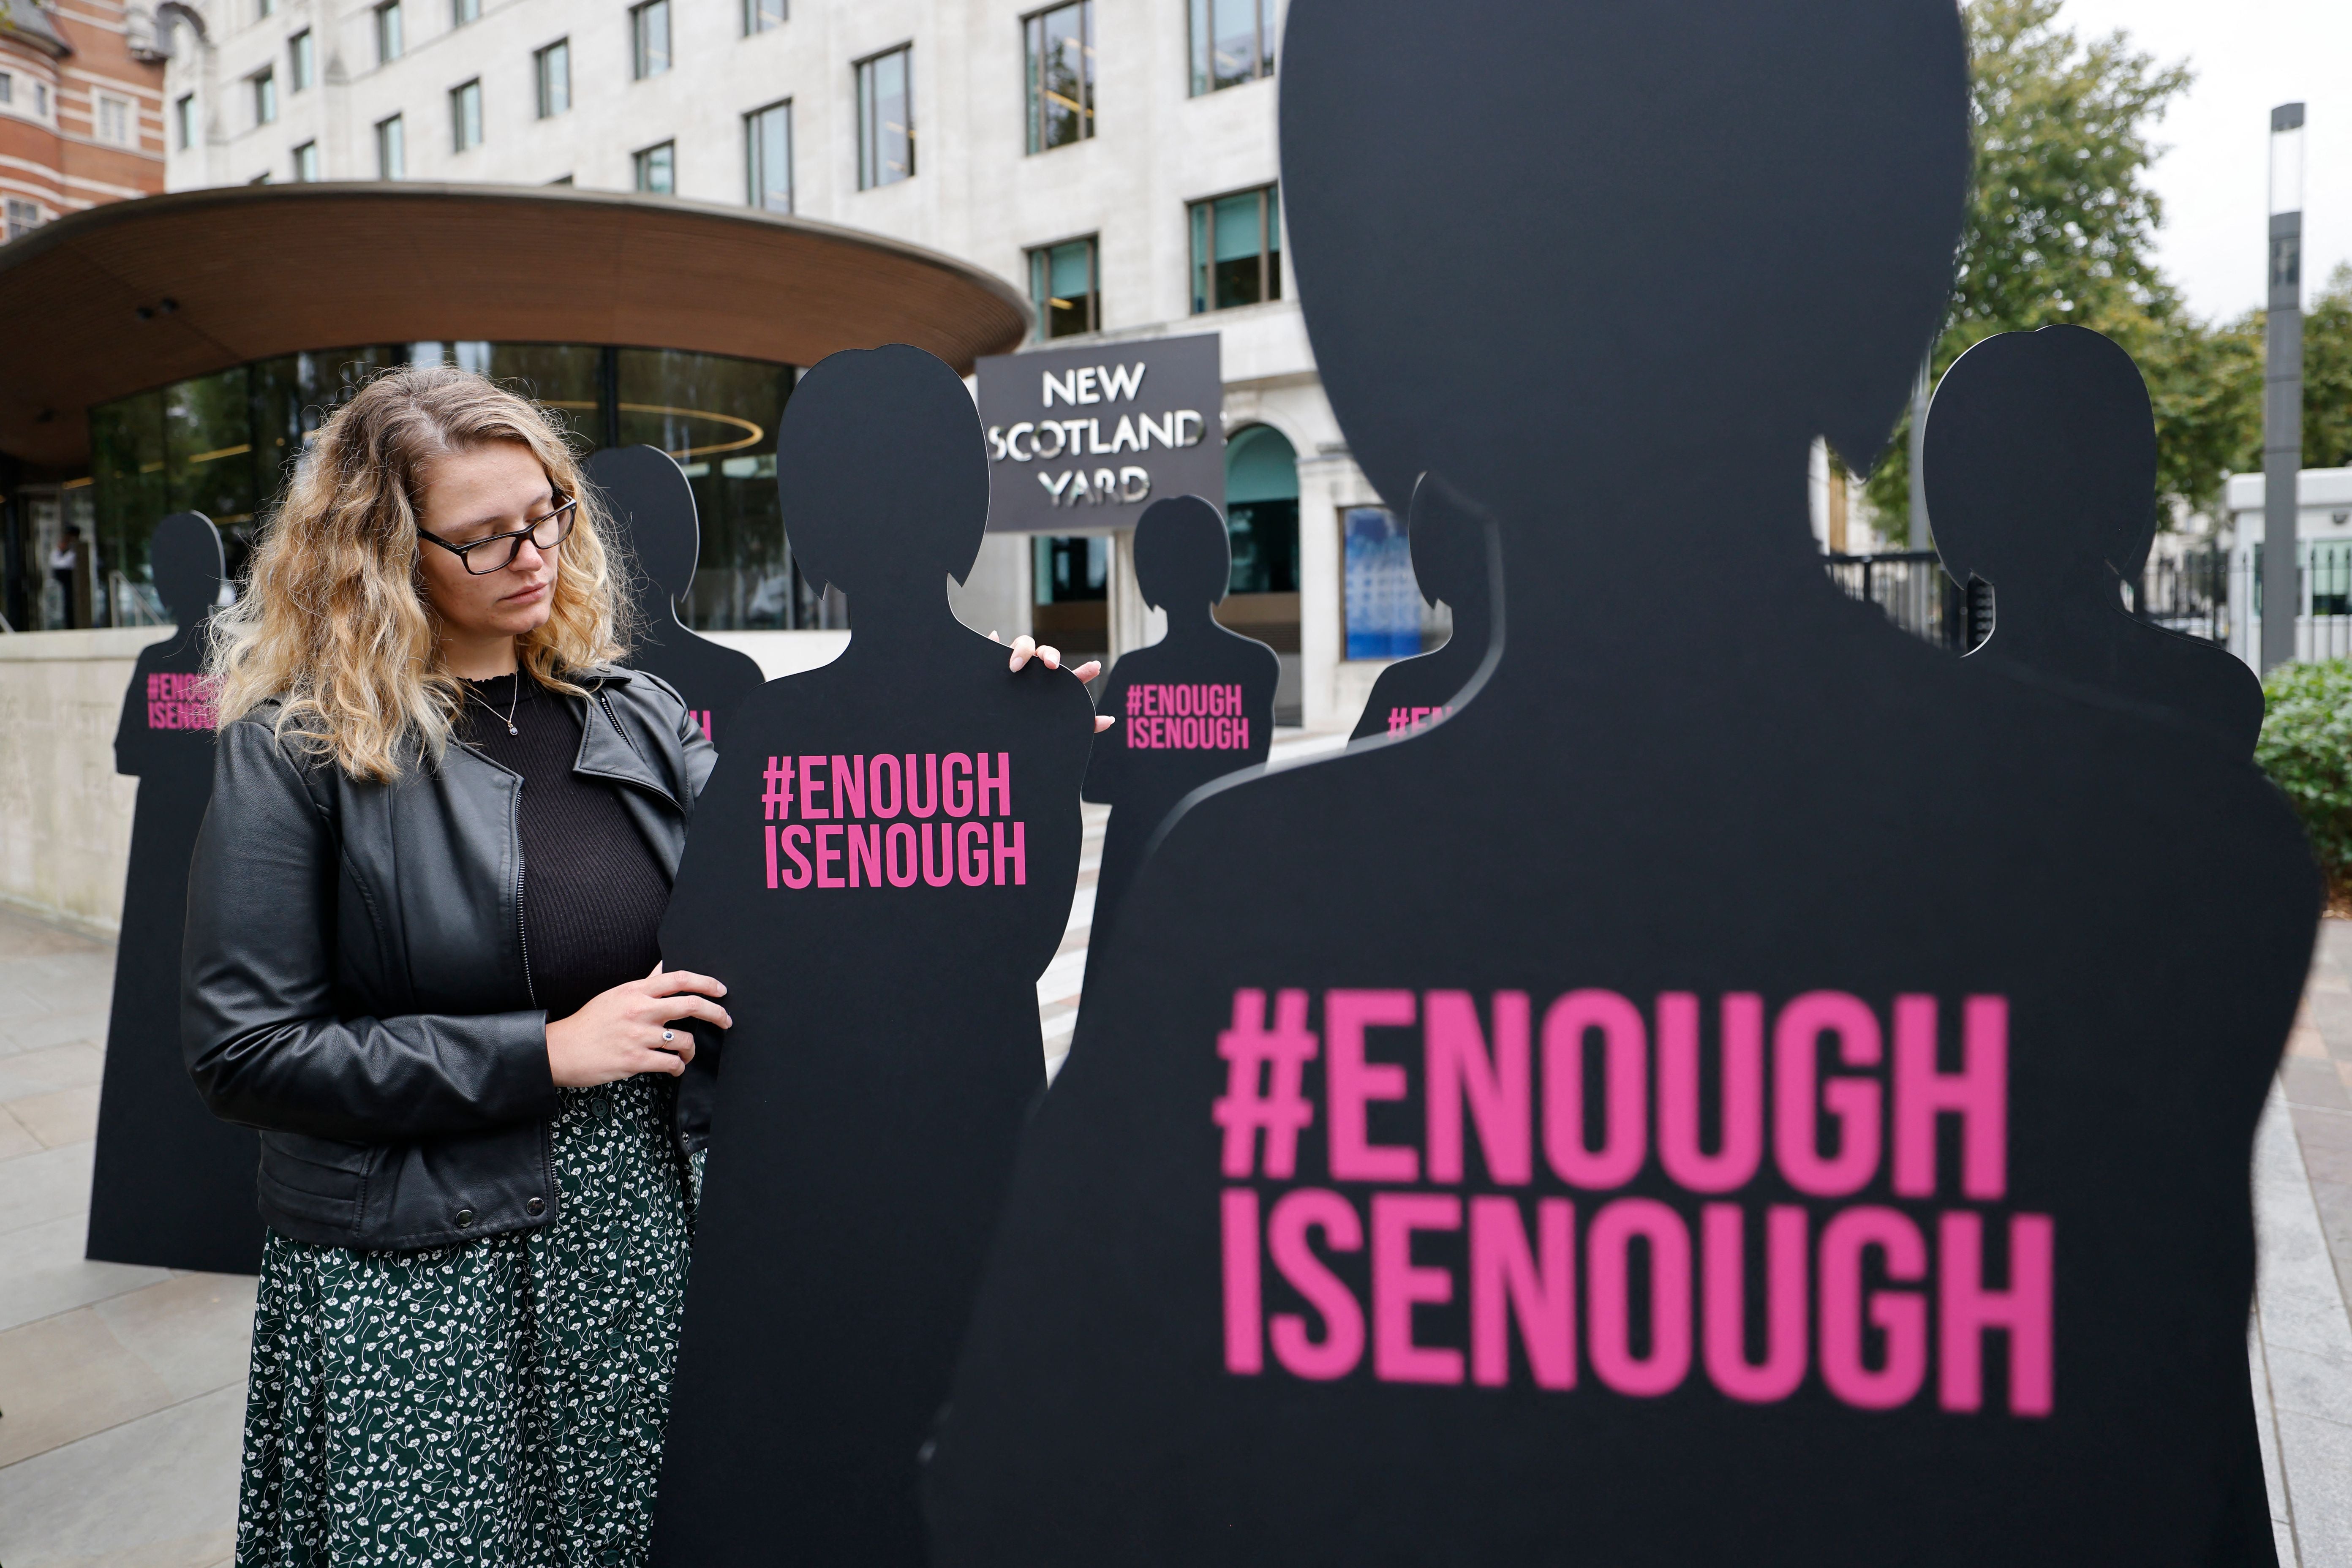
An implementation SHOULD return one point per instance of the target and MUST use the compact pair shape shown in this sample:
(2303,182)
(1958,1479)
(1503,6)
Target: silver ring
(668,1036)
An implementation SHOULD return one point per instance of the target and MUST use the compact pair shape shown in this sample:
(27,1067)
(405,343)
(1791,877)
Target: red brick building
(81,108)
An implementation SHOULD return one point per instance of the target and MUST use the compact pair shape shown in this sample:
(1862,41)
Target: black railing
(2190,594)
(1911,587)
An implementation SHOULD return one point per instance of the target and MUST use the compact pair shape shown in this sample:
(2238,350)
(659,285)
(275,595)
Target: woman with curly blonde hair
(421,959)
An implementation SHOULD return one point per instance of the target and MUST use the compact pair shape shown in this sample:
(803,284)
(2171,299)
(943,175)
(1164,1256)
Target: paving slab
(43,1272)
(194,1331)
(157,1492)
(68,1377)
(51,1184)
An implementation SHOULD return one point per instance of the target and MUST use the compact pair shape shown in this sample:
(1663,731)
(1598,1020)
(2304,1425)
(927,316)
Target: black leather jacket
(354,981)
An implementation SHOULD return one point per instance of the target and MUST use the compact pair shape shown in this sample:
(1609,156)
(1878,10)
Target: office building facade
(1115,160)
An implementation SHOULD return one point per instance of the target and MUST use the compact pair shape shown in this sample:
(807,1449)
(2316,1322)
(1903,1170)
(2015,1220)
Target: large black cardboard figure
(173,1184)
(652,505)
(1193,707)
(2041,471)
(880,867)
(1453,563)
(1740,1089)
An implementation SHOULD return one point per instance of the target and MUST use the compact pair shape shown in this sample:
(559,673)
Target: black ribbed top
(593,891)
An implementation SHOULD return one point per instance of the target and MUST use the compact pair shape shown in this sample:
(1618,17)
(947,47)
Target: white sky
(2248,56)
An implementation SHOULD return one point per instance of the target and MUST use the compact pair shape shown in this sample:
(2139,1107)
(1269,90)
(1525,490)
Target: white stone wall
(975,193)
(65,813)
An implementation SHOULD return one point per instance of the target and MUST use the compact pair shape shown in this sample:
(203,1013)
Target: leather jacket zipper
(522,927)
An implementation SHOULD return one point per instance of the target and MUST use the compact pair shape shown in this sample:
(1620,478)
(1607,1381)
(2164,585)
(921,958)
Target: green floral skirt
(499,1403)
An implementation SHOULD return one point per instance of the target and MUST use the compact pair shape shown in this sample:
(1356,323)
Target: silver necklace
(508,717)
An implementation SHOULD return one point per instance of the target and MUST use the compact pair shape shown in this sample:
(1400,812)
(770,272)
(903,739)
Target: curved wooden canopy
(136,294)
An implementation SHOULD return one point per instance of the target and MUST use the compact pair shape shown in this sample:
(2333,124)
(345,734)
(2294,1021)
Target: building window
(464,11)
(649,38)
(1233,43)
(183,120)
(552,67)
(260,179)
(759,15)
(24,217)
(1237,249)
(1061,75)
(265,96)
(264,9)
(391,150)
(1064,285)
(768,156)
(8,87)
(301,61)
(112,119)
(886,118)
(41,99)
(1070,583)
(1262,513)
(389,42)
(656,168)
(306,161)
(465,116)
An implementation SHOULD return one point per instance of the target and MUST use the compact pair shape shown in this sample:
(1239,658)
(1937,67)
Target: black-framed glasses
(544,533)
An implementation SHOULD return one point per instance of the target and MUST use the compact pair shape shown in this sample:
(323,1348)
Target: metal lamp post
(2283,390)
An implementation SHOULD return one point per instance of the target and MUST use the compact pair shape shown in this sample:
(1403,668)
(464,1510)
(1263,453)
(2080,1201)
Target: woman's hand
(626,1030)
(1025,647)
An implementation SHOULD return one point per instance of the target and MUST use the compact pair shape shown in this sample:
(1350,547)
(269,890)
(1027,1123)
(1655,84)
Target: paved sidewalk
(122,1389)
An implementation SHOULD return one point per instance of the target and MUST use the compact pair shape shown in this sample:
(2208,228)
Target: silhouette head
(1673,223)
(882,472)
(184,557)
(651,505)
(1449,546)
(1183,559)
(2041,460)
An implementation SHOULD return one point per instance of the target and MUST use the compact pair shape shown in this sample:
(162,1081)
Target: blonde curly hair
(333,622)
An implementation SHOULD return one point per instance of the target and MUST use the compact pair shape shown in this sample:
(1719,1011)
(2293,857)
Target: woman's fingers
(678,980)
(1088,670)
(1104,721)
(1023,647)
(1052,656)
(680,1045)
(689,1006)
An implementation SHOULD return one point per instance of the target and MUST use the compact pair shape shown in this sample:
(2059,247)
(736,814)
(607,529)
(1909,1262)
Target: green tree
(2207,385)
(2062,222)
(2326,375)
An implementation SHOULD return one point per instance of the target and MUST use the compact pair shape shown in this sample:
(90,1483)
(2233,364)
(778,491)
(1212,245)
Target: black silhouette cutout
(173,1184)
(1268,1290)
(652,508)
(1193,707)
(1452,559)
(2041,466)
(880,867)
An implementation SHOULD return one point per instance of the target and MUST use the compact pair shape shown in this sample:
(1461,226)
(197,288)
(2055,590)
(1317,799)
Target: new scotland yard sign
(1082,439)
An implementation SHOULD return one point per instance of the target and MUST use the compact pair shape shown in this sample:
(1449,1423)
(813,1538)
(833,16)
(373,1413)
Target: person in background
(65,570)
(421,959)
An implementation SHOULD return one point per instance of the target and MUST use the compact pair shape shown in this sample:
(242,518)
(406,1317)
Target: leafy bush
(2306,749)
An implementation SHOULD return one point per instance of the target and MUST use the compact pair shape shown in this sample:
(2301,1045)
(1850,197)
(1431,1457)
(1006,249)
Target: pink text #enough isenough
(1190,716)
(176,701)
(1813,1085)
(839,821)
